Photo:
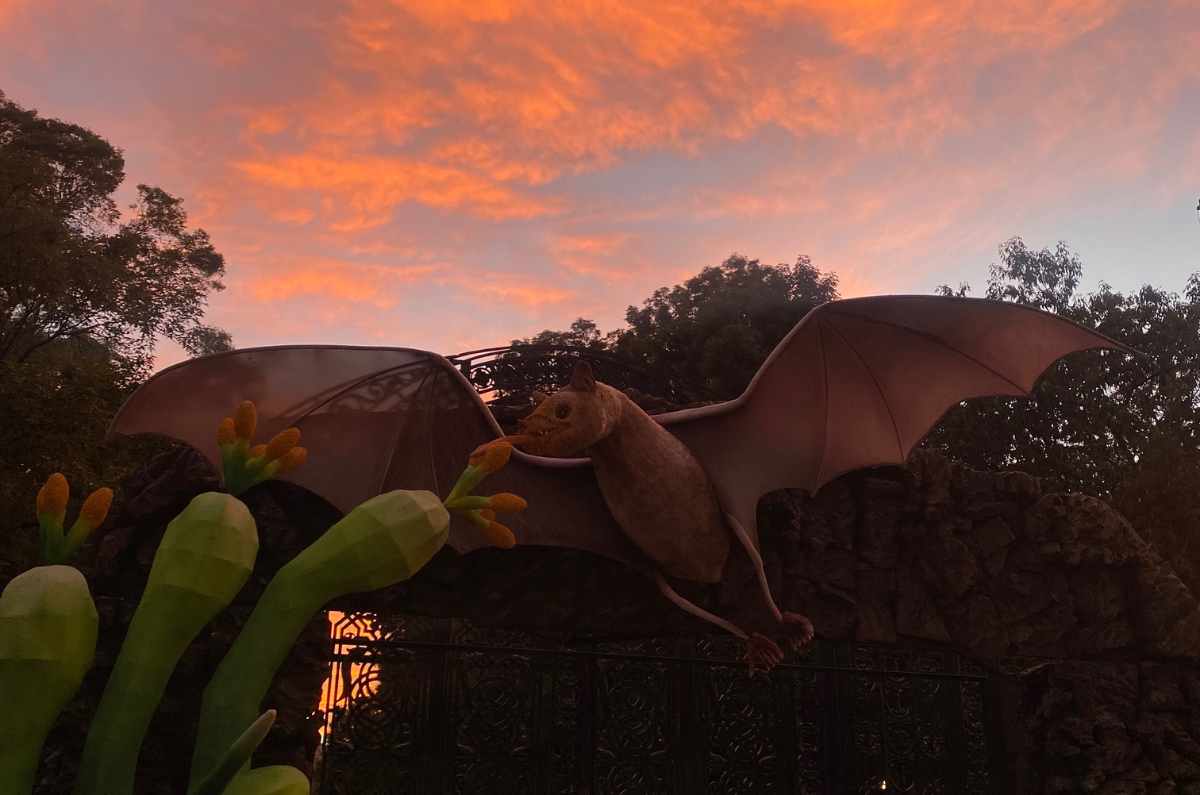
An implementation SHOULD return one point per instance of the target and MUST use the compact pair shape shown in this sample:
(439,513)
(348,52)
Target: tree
(69,267)
(1093,417)
(535,363)
(84,294)
(582,334)
(713,331)
(700,340)
(1101,422)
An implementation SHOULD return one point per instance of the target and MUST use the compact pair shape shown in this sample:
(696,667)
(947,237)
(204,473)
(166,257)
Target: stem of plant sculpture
(48,628)
(205,557)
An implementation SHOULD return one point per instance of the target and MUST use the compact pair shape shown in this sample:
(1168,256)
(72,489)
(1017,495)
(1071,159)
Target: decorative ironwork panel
(432,706)
(636,740)
(510,374)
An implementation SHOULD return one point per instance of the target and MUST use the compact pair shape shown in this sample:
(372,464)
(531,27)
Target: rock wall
(1101,636)
(987,562)
(1111,727)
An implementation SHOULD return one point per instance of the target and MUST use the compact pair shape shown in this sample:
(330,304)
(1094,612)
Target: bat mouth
(536,436)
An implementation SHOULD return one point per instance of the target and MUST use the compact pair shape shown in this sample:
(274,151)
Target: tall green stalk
(205,557)
(48,627)
(381,542)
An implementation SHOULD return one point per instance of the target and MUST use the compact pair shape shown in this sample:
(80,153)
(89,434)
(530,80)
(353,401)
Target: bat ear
(582,379)
(540,397)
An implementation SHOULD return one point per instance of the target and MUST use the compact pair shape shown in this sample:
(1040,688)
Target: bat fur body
(659,494)
(656,489)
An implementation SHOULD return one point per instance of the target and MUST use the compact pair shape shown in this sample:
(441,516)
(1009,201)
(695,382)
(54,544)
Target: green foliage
(714,330)
(1096,414)
(70,267)
(582,334)
(705,337)
(84,293)
(1161,498)
(1102,423)
(53,414)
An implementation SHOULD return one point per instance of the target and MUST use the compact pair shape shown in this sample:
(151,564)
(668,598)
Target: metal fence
(420,705)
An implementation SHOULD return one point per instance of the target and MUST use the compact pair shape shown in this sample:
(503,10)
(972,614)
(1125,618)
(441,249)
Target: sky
(452,174)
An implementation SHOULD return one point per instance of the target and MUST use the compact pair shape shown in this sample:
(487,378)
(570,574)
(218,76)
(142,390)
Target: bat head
(572,419)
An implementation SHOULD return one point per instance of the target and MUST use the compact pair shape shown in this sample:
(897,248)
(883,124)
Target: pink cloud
(354,282)
(496,291)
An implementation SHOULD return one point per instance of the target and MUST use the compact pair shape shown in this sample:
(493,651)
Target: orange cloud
(347,281)
(611,258)
(591,152)
(499,290)
(293,215)
(363,191)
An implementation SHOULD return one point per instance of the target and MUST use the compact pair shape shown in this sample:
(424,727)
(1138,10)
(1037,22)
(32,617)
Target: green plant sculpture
(272,780)
(383,541)
(48,628)
(48,622)
(204,559)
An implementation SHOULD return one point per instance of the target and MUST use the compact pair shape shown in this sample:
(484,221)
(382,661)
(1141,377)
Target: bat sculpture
(857,383)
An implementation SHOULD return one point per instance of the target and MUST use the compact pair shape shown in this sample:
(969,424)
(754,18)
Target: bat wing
(858,383)
(373,420)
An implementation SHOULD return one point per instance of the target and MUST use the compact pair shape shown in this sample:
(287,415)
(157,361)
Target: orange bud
(52,498)
(507,503)
(225,432)
(257,451)
(245,420)
(292,459)
(95,507)
(487,514)
(282,442)
(500,535)
(491,457)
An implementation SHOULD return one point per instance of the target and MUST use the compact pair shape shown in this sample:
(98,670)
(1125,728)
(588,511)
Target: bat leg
(757,560)
(761,652)
(805,627)
(695,609)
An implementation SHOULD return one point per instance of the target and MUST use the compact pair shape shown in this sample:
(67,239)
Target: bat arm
(700,412)
(551,463)
(814,315)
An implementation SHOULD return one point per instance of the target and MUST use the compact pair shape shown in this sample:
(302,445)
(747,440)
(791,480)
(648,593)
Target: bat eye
(562,410)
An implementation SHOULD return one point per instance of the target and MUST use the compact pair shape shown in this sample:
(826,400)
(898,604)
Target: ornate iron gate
(439,706)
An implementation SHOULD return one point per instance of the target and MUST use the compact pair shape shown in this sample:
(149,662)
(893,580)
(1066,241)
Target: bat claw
(803,629)
(762,653)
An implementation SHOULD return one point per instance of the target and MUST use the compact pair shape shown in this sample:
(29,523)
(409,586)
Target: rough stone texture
(994,564)
(1113,727)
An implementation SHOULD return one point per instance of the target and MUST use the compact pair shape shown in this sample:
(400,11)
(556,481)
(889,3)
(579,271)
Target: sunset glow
(449,175)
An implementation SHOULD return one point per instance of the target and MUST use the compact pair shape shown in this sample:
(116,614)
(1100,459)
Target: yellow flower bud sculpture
(244,465)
